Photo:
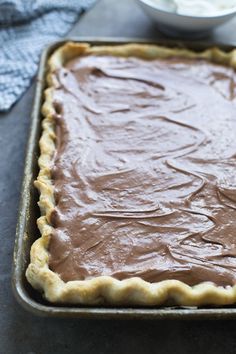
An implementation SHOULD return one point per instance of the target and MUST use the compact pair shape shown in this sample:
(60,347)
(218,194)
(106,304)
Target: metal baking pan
(27,231)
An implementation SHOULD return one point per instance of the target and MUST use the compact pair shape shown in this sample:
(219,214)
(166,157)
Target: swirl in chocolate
(144,170)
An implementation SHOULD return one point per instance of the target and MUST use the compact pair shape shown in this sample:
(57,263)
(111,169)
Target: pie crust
(105,289)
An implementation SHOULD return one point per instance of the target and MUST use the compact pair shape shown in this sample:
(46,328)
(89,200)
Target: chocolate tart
(137,177)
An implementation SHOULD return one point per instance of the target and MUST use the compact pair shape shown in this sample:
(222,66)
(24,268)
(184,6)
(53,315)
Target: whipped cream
(196,7)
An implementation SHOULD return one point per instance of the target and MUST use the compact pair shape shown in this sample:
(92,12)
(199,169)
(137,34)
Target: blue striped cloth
(26,27)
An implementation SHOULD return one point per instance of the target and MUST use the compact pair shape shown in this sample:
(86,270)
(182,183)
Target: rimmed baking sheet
(27,231)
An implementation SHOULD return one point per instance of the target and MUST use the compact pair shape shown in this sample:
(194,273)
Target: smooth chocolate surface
(145,170)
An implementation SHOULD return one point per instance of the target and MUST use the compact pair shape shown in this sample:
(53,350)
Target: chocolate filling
(144,170)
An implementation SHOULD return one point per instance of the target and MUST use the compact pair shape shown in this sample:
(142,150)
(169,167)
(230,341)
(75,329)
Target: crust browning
(105,289)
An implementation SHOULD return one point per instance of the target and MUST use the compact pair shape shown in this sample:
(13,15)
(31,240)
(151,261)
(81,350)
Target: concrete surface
(21,332)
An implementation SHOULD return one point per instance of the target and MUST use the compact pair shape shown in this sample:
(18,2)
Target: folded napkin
(26,27)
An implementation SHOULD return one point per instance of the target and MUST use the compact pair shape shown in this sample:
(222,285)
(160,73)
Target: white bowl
(175,24)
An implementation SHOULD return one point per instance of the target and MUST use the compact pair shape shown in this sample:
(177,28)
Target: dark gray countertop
(21,332)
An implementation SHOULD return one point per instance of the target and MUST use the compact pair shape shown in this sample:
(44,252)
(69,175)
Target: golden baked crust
(105,289)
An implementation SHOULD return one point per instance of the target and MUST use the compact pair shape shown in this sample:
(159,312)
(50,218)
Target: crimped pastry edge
(105,289)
